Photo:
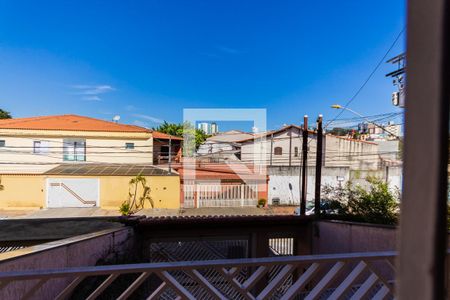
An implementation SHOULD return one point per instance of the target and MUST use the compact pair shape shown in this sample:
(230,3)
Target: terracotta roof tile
(68,123)
(164,136)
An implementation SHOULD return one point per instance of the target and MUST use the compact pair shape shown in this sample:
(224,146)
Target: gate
(72,192)
(230,195)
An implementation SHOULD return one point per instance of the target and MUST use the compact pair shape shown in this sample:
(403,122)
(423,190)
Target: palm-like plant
(138,194)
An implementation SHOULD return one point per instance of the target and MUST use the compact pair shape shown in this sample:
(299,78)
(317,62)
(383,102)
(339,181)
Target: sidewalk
(99,212)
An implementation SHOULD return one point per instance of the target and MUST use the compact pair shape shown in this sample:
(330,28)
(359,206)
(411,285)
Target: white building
(208,128)
(283,147)
(372,132)
(205,127)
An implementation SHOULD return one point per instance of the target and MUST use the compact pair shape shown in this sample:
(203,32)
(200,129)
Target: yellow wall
(25,191)
(164,190)
(22,191)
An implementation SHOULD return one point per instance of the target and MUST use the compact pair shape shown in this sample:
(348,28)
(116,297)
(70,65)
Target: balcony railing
(337,276)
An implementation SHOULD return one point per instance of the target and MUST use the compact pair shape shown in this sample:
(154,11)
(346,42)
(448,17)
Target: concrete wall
(164,190)
(284,182)
(86,250)
(29,191)
(330,237)
(393,175)
(22,191)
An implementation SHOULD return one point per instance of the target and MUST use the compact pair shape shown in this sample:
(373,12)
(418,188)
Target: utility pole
(170,155)
(304,166)
(290,147)
(271,148)
(319,158)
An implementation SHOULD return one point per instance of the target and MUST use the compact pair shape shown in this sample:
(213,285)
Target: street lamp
(337,106)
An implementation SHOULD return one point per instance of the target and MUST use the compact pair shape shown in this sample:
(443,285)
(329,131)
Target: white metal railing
(217,195)
(349,276)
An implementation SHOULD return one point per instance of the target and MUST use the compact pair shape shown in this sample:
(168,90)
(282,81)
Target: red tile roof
(164,136)
(219,171)
(68,123)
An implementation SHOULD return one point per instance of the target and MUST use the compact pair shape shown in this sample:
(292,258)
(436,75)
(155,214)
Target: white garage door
(72,192)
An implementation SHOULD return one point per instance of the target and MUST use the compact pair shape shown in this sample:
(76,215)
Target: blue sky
(147,60)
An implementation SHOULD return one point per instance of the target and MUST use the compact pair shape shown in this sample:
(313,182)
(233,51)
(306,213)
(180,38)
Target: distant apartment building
(372,132)
(214,128)
(208,128)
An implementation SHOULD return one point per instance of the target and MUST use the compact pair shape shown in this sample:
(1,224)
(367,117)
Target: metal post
(304,166)
(319,157)
(423,228)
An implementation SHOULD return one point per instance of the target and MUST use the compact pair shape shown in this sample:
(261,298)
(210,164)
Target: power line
(369,77)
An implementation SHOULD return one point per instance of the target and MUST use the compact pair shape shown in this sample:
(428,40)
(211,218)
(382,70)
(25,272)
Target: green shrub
(124,208)
(374,204)
(262,202)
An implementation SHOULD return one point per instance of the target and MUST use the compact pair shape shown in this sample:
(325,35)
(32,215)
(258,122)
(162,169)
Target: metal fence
(219,195)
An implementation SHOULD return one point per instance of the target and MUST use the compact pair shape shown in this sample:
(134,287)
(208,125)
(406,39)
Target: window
(278,151)
(37,147)
(296,151)
(2,143)
(74,150)
(165,150)
(129,146)
(40,147)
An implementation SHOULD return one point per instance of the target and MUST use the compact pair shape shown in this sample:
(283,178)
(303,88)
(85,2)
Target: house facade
(88,185)
(283,147)
(77,161)
(220,185)
(38,142)
(72,139)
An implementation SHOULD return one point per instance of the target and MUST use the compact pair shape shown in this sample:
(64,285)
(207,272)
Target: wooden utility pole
(290,147)
(304,166)
(319,158)
(170,155)
(271,148)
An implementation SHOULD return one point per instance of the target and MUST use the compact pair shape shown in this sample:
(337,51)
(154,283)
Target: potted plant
(262,202)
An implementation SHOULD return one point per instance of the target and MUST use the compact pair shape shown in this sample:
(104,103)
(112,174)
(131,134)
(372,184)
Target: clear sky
(147,60)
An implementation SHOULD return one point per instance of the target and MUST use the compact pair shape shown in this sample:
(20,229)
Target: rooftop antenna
(116,119)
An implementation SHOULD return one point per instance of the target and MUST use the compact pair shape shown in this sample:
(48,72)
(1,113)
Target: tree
(340,131)
(181,128)
(5,114)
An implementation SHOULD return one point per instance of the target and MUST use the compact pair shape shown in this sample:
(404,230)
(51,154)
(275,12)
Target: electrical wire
(369,77)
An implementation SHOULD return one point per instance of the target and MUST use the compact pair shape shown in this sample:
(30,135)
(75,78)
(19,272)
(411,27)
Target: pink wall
(84,250)
(331,237)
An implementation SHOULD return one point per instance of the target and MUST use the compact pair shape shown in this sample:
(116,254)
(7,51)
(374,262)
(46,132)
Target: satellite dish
(116,118)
